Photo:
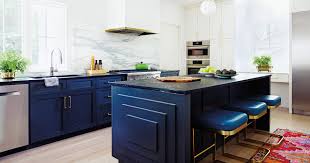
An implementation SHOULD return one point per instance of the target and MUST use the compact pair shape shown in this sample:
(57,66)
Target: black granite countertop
(185,88)
(18,80)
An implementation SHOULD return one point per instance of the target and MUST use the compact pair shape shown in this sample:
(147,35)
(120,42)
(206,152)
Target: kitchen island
(152,119)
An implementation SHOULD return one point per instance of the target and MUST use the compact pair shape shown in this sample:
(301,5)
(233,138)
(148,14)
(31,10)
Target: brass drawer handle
(109,96)
(109,114)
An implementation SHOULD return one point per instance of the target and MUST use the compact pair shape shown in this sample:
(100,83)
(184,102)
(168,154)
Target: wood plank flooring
(96,147)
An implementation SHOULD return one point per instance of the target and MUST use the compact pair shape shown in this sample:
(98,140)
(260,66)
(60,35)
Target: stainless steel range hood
(128,30)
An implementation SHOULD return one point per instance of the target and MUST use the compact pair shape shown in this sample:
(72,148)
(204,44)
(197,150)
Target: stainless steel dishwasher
(13,116)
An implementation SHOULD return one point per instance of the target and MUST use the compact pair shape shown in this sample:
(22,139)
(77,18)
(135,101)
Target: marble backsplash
(117,51)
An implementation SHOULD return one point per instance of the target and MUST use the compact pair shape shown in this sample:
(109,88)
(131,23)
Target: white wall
(86,23)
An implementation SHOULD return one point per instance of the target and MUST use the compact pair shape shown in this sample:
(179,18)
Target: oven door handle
(198,48)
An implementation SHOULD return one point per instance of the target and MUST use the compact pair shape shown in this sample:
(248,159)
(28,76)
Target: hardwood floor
(95,147)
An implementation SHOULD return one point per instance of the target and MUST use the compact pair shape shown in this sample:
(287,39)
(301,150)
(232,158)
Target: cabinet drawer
(105,82)
(40,88)
(103,96)
(78,84)
(103,114)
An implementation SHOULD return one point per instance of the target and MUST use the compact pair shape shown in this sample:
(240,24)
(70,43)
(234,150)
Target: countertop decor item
(142,66)
(12,62)
(225,74)
(263,63)
(180,79)
(209,71)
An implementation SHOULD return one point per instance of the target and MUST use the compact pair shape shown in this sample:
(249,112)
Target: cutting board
(178,79)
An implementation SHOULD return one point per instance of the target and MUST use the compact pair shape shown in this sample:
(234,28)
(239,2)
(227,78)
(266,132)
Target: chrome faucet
(54,68)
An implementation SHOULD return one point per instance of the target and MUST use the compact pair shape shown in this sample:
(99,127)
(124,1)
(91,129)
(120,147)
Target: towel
(51,82)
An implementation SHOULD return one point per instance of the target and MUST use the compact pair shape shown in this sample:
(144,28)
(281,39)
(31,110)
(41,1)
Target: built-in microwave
(198,50)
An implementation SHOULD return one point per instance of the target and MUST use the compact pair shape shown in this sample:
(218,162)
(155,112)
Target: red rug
(295,148)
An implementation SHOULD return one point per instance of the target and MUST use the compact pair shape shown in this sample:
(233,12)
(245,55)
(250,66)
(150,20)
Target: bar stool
(223,122)
(255,110)
(271,100)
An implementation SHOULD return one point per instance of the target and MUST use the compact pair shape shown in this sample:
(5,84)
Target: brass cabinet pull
(109,114)
(109,96)
(70,102)
(65,102)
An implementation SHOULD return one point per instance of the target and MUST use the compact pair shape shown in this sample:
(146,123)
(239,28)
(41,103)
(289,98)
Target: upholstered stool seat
(220,120)
(224,122)
(251,108)
(270,100)
(255,110)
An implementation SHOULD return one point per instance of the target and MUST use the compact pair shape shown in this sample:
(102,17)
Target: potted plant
(263,63)
(10,63)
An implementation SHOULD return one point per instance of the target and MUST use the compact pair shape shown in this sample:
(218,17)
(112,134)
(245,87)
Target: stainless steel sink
(59,76)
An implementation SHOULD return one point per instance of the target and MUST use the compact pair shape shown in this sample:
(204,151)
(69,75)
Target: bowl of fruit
(225,74)
(208,71)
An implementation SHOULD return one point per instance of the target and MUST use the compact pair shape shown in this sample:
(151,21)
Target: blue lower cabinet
(144,127)
(45,118)
(103,107)
(77,114)
(74,105)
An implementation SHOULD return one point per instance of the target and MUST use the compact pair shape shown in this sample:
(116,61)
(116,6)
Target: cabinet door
(191,24)
(228,20)
(103,106)
(45,118)
(77,115)
(228,61)
(203,27)
(215,55)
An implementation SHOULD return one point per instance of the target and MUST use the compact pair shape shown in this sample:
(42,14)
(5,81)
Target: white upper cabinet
(191,24)
(203,30)
(300,5)
(228,19)
(219,28)
(197,25)
(139,14)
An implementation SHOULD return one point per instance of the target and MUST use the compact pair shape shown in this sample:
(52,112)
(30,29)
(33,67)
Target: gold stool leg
(193,134)
(214,153)
(205,150)
(280,137)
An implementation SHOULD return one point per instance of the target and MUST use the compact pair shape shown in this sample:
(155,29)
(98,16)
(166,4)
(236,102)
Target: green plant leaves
(12,61)
(263,60)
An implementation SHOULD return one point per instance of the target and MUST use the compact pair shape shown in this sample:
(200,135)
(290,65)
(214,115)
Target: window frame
(27,45)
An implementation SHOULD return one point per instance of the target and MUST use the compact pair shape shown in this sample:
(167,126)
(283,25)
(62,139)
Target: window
(11,25)
(48,21)
(43,23)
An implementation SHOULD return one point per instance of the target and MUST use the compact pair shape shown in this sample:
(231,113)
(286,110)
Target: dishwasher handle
(15,93)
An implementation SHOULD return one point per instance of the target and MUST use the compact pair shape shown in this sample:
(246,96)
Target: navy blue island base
(152,120)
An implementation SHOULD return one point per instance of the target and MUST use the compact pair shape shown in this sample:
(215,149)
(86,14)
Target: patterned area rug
(295,148)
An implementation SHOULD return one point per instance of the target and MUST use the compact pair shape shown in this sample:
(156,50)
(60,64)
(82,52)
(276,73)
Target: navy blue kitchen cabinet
(103,99)
(73,106)
(46,116)
(78,112)
(103,108)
